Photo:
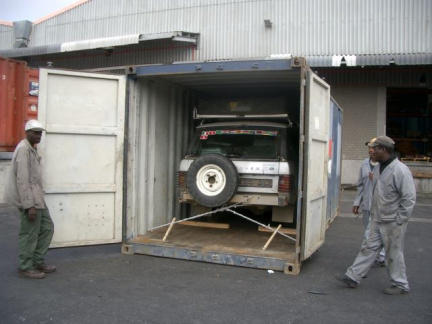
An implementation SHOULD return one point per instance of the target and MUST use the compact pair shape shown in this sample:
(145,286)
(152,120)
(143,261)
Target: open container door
(82,155)
(314,209)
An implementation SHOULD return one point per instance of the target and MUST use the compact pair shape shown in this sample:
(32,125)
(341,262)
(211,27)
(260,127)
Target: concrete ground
(97,284)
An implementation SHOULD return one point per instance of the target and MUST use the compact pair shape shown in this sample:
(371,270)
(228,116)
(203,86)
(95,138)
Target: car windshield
(238,143)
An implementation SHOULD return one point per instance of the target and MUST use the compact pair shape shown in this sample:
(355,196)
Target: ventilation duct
(22,31)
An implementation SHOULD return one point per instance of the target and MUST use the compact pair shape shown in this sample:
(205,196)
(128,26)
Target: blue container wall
(335,151)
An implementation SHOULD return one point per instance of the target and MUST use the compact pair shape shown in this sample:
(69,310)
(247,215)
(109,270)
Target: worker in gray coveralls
(364,197)
(25,191)
(393,200)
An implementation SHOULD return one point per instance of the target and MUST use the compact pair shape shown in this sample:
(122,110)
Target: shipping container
(112,151)
(19,89)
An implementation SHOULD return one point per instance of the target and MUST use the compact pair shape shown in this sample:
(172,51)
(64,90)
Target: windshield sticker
(206,134)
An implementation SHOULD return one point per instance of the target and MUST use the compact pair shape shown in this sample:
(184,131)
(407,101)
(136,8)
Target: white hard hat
(33,124)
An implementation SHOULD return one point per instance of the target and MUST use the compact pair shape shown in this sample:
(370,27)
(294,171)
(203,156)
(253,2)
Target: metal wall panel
(6,36)
(235,28)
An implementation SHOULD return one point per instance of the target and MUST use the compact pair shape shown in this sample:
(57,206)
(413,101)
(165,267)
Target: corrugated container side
(335,151)
(11,73)
(17,104)
(164,120)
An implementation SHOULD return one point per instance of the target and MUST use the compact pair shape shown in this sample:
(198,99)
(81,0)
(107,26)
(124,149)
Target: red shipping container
(19,90)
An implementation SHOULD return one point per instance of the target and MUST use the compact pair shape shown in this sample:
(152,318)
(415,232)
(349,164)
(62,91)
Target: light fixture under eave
(392,62)
(268,23)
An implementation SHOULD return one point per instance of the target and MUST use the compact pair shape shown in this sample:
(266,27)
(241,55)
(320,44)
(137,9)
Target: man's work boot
(46,268)
(393,290)
(31,274)
(351,283)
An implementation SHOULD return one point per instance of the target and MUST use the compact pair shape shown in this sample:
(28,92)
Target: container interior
(163,130)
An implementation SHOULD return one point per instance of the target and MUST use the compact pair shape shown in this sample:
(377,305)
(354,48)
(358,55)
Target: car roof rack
(196,115)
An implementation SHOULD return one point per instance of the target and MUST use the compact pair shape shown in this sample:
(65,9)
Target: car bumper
(248,199)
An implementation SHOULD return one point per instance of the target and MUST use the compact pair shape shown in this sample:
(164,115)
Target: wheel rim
(211,180)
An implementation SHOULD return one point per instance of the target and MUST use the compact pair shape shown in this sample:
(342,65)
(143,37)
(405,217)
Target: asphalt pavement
(98,284)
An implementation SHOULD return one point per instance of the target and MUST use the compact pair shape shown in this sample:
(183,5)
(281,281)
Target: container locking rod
(207,213)
(265,226)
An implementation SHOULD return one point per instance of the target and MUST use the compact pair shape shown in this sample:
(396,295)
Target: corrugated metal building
(376,54)
(237,28)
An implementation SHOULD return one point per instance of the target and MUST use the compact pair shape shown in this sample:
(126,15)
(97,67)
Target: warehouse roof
(99,43)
